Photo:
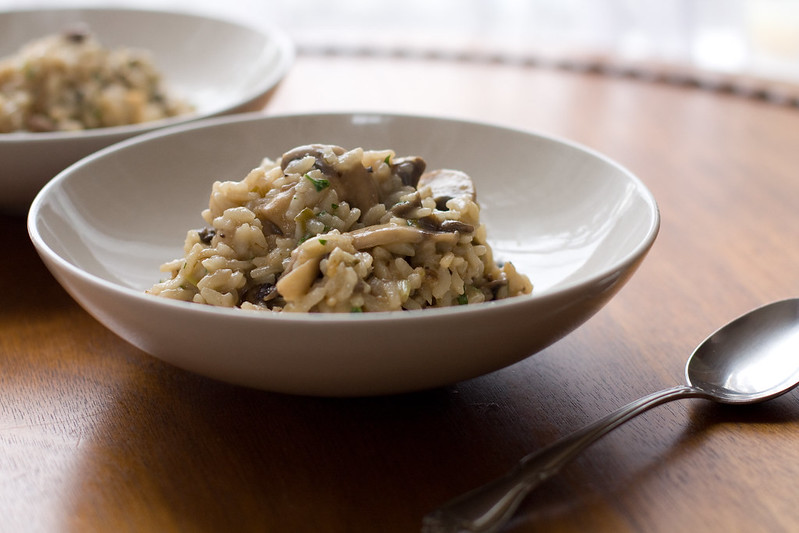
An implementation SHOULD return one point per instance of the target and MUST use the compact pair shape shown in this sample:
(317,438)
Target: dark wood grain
(97,436)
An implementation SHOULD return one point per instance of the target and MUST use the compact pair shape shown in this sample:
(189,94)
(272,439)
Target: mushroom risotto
(332,230)
(70,82)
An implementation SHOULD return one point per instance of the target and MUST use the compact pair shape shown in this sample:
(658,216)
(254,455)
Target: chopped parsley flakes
(319,184)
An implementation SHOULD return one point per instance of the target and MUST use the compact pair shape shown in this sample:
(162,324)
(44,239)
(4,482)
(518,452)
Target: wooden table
(97,436)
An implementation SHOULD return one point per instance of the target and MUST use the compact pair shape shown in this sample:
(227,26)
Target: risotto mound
(326,229)
(71,82)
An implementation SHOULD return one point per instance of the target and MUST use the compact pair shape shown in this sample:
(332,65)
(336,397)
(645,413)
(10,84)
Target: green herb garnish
(356,310)
(29,71)
(319,184)
(305,215)
(463,299)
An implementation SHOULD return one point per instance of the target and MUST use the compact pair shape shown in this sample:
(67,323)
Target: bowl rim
(535,298)
(286,53)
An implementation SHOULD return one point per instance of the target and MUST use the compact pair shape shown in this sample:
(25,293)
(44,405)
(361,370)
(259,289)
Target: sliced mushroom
(384,234)
(315,150)
(353,184)
(408,208)
(446,184)
(431,223)
(77,34)
(261,294)
(40,123)
(273,212)
(206,235)
(303,267)
(296,283)
(409,169)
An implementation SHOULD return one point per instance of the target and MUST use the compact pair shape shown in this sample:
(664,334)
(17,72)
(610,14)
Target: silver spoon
(752,359)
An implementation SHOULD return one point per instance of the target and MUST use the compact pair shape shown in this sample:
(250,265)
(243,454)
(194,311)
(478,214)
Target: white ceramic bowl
(221,67)
(576,222)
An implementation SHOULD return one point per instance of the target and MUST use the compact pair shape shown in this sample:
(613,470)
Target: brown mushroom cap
(409,169)
(446,184)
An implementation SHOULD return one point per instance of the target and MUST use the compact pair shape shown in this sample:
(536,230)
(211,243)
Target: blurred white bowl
(221,67)
(576,222)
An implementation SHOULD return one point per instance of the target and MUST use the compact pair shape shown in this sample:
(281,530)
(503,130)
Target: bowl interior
(216,64)
(562,214)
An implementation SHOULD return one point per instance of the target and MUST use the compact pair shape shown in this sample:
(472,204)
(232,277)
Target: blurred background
(745,43)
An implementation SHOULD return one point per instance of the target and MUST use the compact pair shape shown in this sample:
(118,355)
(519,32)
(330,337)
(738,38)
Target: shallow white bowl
(221,67)
(576,222)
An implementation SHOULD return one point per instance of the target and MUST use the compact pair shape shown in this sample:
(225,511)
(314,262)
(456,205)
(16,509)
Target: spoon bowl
(752,359)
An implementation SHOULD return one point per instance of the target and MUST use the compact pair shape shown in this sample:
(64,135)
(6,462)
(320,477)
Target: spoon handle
(489,507)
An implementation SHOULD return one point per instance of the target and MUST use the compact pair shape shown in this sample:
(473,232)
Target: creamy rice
(326,229)
(71,82)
